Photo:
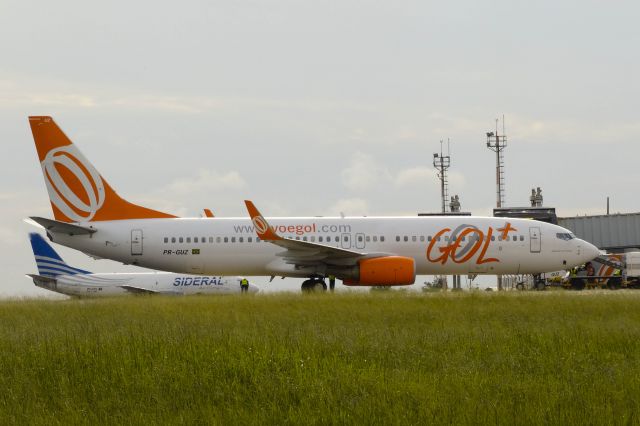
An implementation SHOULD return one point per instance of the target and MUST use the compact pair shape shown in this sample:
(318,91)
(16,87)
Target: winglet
(208,213)
(263,229)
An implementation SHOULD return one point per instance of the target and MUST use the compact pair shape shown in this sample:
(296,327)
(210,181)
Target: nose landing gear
(539,282)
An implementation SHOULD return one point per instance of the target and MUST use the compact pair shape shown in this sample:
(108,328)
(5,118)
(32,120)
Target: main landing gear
(314,284)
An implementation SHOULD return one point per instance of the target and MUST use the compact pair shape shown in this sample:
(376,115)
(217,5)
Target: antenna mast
(497,142)
(442,162)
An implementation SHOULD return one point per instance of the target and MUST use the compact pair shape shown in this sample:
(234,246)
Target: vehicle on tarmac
(361,251)
(56,275)
(612,271)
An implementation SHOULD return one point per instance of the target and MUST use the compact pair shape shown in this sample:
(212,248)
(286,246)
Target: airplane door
(346,241)
(534,238)
(359,241)
(136,242)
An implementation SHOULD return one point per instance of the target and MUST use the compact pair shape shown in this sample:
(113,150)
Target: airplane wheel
(313,285)
(320,286)
(577,284)
(614,283)
(307,285)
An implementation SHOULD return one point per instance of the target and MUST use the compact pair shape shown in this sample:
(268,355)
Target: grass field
(379,358)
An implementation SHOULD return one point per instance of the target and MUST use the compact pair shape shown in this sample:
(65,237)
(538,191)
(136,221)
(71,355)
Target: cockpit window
(565,236)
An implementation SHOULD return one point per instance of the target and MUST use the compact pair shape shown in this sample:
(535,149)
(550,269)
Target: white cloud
(457,181)
(363,173)
(350,207)
(206,181)
(415,176)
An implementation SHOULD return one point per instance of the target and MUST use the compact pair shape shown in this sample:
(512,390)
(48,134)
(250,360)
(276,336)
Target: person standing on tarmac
(244,285)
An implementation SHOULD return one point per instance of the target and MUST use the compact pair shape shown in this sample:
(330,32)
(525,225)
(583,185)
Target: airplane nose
(589,251)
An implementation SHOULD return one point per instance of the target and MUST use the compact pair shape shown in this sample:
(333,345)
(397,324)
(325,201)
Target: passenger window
(368,238)
(181,239)
(382,238)
(345,238)
(414,239)
(210,240)
(515,238)
(257,239)
(337,239)
(320,239)
(422,238)
(429,238)
(226,239)
(166,240)
(188,239)
(304,238)
(521,237)
(218,239)
(438,239)
(493,238)
(406,238)
(397,238)
(233,239)
(195,239)
(359,238)
(249,239)
(173,239)
(241,239)
(375,238)
(313,239)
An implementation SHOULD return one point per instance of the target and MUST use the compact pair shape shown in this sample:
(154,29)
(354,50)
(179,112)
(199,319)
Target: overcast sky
(319,107)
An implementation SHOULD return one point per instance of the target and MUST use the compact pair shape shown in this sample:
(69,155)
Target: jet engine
(388,270)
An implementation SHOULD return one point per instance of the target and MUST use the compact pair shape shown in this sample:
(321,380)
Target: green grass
(379,358)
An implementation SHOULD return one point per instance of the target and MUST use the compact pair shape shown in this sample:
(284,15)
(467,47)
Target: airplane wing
(141,290)
(305,253)
(62,227)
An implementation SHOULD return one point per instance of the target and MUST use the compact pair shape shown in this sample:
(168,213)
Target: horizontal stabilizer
(46,283)
(41,279)
(62,227)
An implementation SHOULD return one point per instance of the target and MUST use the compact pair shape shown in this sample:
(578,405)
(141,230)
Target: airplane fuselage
(115,284)
(439,245)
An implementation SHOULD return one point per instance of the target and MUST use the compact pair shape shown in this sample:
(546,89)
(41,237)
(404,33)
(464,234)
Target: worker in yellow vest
(244,285)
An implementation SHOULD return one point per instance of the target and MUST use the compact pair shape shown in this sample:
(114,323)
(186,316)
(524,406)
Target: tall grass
(384,358)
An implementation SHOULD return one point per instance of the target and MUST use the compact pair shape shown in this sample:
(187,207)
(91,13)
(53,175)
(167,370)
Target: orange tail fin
(263,229)
(78,193)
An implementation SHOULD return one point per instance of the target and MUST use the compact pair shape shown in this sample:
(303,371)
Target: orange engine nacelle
(389,270)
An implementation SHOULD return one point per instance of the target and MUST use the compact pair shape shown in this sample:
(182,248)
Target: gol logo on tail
(260,224)
(70,182)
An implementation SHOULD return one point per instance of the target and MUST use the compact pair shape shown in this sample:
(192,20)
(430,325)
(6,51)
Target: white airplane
(56,275)
(90,216)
